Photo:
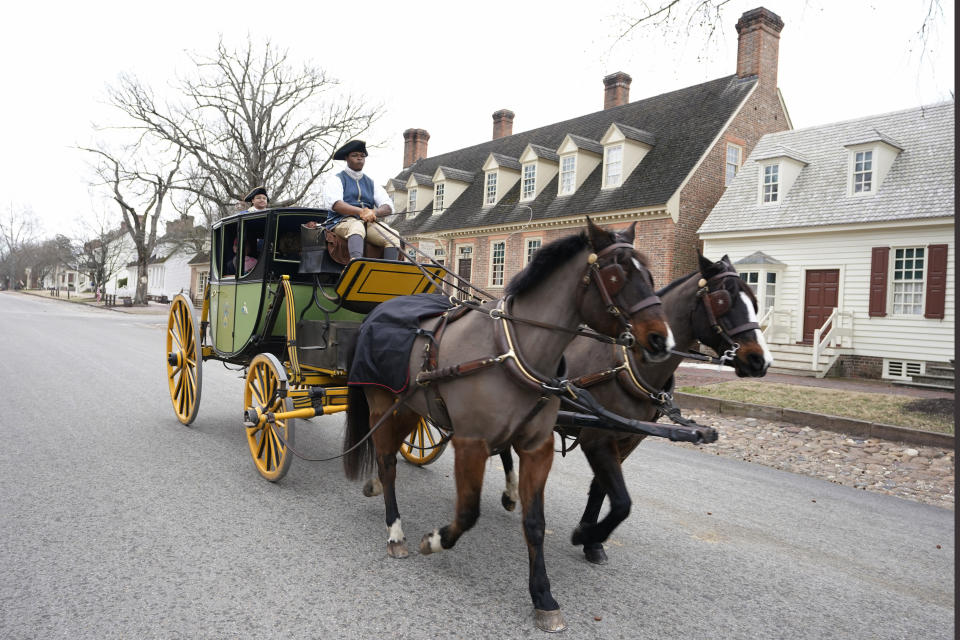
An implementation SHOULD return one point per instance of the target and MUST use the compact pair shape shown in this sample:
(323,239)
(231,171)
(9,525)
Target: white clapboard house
(846,232)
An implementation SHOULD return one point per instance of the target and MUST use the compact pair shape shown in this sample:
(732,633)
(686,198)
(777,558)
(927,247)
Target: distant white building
(846,232)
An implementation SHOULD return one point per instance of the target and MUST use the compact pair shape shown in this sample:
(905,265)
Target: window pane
(491,187)
(529,181)
(497,252)
(614,170)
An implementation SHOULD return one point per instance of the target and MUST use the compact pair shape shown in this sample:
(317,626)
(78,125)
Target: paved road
(118,522)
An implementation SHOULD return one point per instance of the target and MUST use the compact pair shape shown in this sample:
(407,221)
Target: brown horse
(594,278)
(712,306)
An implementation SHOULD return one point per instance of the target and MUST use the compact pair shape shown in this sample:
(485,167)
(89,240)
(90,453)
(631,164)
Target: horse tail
(358,454)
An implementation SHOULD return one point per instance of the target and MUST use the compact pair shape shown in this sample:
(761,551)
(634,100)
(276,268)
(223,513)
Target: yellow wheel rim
(265,392)
(183,359)
(425,444)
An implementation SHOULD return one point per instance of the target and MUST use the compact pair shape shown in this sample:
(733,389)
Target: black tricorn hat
(350,147)
(256,192)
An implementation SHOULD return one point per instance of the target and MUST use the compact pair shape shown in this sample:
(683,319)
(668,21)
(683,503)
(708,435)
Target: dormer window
(568,175)
(491,196)
(613,166)
(438,190)
(412,199)
(771,183)
(529,187)
(862,171)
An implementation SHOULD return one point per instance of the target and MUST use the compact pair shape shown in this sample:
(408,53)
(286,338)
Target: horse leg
(510,492)
(470,459)
(534,467)
(607,478)
(387,441)
(592,550)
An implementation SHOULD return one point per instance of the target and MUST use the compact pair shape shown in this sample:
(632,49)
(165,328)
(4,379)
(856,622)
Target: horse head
(726,317)
(618,297)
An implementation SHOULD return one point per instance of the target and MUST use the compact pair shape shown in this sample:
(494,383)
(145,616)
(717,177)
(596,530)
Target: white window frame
(727,178)
(528,182)
(531,243)
(770,183)
(412,199)
(917,290)
(568,175)
(612,179)
(767,296)
(438,190)
(491,188)
(863,167)
(497,277)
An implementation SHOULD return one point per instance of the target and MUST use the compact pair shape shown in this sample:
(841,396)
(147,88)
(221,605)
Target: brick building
(662,161)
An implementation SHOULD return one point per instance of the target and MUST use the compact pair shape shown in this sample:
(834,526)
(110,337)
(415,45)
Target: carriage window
(252,240)
(771,183)
(498,252)
(224,251)
(491,187)
(908,281)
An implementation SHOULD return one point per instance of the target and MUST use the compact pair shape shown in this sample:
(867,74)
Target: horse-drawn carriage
(289,314)
(277,305)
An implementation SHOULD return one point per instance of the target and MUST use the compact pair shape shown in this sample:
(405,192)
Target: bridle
(717,303)
(610,279)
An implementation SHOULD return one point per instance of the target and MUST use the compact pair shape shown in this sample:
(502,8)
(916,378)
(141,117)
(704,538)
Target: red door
(819,300)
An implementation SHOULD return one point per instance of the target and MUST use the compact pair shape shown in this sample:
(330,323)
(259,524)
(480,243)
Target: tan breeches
(356,227)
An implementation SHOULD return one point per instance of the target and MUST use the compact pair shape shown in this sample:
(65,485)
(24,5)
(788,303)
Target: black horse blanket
(386,336)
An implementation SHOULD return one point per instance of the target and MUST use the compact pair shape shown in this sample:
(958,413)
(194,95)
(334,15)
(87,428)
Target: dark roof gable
(683,123)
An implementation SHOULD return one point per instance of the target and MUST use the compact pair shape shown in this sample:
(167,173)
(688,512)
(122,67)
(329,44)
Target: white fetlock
(512,489)
(430,543)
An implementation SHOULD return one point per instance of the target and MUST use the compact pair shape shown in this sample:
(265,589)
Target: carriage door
(223,296)
(819,300)
(464,262)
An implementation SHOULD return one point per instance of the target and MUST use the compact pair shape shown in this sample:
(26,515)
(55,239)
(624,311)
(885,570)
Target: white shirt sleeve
(332,191)
(381,198)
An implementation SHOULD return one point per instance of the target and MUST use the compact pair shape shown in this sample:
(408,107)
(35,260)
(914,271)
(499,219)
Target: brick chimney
(616,89)
(758,47)
(414,146)
(503,123)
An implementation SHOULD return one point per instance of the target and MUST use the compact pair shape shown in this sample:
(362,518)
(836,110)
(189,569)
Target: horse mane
(545,261)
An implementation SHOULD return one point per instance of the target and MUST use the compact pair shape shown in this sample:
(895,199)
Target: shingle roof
(918,185)
(684,122)
(587,145)
(506,161)
(631,133)
(456,174)
(397,184)
(542,152)
(421,179)
(758,257)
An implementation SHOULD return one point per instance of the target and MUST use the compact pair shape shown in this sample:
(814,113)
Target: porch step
(804,358)
(806,373)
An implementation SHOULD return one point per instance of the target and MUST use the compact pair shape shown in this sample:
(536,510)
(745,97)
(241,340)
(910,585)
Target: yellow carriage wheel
(265,393)
(184,361)
(425,444)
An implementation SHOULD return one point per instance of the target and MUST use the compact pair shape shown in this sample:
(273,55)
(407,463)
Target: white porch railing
(839,334)
(775,326)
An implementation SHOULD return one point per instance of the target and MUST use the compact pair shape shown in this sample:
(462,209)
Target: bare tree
(102,255)
(17,233)
(707,17)
(246,118)
(140,194)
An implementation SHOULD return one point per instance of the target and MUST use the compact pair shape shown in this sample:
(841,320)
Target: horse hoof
(596,555)
(397,549)
(549,621)
(430,543)
(508,503)
(372,487)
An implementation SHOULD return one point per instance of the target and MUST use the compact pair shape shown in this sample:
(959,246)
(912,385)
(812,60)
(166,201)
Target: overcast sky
(440,66)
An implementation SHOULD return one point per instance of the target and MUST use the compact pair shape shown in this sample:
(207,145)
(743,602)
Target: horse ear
(598,237)
(705,263)
(629,234)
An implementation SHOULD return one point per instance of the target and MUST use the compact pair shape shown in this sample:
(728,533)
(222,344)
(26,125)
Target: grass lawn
(902,411)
